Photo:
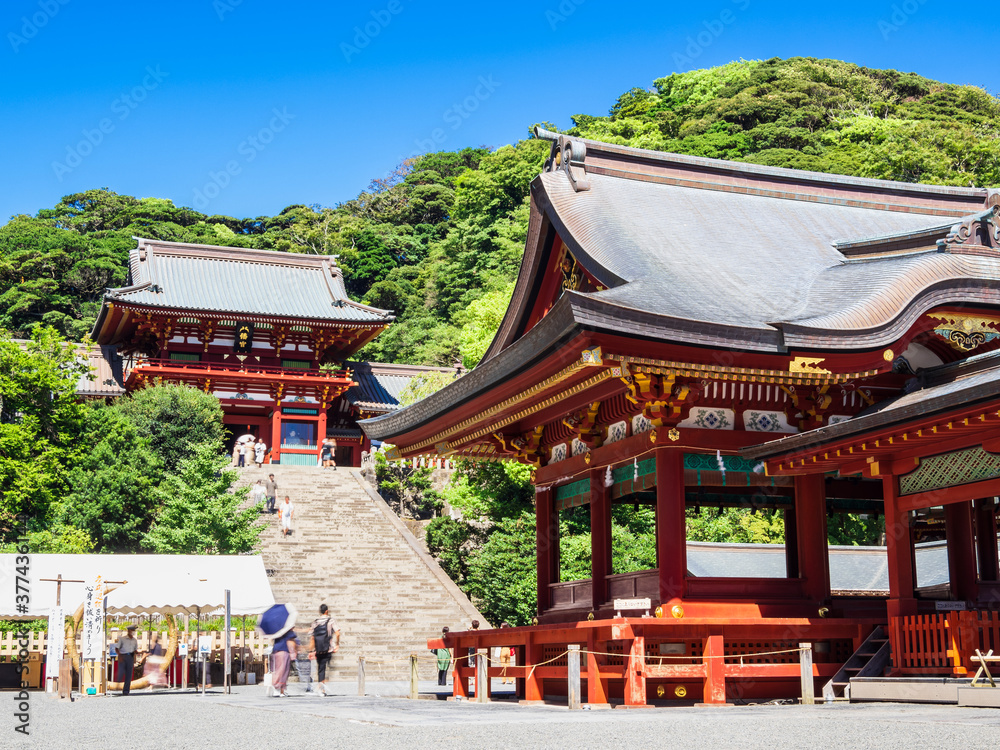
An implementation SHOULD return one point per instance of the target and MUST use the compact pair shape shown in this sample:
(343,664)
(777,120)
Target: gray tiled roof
(239,281)
(851,568)
(753,261)
(380,386)
(721,255)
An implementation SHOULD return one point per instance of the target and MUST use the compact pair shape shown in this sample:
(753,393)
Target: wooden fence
(942,643)
(37,641)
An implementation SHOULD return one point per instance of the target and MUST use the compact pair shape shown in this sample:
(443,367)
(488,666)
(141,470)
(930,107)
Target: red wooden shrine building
(269,333)
(671,313)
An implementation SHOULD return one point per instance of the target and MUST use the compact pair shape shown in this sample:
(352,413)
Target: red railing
(209,368)
(942,643)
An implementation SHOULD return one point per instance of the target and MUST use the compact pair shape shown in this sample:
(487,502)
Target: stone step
(346,552)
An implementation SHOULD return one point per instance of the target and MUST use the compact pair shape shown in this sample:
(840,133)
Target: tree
(502,576)
(450,541)
(175,419)
(113,486)
(200,514)
(491,491)
(40,425)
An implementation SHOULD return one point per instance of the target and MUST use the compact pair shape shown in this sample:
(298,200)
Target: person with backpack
(325,643)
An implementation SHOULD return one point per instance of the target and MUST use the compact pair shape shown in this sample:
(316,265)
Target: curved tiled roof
(207,278)
(749,261)
(728,255)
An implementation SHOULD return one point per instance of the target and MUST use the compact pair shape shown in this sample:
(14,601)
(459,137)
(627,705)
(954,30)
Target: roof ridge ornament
(567,155)
(981,230)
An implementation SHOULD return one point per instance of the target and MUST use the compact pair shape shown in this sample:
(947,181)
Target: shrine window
(298,434)
(185,357)
(295,364)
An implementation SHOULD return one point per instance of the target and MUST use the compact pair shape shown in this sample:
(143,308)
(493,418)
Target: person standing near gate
(127,646)
(325,643)
(270,492)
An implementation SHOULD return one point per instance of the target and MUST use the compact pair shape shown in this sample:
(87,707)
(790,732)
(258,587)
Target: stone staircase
(351,552)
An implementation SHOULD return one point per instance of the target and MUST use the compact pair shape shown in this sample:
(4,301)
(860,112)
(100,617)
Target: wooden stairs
(870,660)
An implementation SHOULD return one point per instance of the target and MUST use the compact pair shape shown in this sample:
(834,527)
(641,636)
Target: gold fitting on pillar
(677,611)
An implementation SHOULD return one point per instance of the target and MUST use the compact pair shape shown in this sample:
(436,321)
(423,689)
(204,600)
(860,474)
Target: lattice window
(950,470)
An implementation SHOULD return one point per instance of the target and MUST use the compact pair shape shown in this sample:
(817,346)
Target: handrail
(244,367)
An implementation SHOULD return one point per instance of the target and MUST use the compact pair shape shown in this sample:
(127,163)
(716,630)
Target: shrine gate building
(269,333)
(673,312)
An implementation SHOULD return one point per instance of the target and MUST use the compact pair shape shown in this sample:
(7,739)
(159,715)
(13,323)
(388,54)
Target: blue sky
(243,107)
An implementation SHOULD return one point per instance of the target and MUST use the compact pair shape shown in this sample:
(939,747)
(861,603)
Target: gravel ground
(249,719)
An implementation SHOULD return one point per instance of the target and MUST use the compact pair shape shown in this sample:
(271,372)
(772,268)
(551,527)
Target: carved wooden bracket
(807,408)
(583,425)
(524,448)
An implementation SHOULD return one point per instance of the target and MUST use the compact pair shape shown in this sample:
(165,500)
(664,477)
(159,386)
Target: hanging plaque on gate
(243,342)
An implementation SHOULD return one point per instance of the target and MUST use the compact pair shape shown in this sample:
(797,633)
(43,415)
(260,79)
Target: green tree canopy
(175,419)
(200,515)
(40,425)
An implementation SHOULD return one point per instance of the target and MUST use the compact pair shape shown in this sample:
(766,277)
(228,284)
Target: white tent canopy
(156,583)
(174,595)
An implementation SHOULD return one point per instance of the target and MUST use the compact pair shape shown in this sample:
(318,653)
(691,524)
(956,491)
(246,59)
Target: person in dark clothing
(127,646)
(325,643)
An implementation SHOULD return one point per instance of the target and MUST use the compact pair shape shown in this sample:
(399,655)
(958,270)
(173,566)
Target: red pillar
(546,546)
(635,675)
(715,670)
(986,539)
(671,529)
(899,547)
(320,432)
(460,684)
(534,686)
(597,689)
(600,538)
(791,544)
(810,526)
(961,551)
(276,433)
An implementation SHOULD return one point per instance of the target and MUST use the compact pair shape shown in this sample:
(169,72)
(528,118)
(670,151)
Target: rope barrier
(658,658)
(661,658)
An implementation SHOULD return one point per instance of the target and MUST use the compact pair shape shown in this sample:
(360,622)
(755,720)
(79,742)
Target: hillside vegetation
(440,239)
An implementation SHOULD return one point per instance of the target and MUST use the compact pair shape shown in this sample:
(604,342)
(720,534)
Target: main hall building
(671,314)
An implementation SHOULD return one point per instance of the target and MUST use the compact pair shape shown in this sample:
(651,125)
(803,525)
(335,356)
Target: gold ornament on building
(888,355)
(660,691)
(674,434)
(677,611)
(680,691)
(965,332)
(658,612)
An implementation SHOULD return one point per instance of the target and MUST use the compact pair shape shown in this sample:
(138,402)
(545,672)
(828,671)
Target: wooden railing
(942,643)
(37,641)
(571,594)
(641,583)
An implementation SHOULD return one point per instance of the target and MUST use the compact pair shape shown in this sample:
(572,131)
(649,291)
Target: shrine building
(270,333)
(672,313)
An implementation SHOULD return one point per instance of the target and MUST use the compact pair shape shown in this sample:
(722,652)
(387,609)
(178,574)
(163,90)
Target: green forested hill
(439,241)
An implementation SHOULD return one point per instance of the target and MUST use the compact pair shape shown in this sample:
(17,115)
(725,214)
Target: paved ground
(249,719)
